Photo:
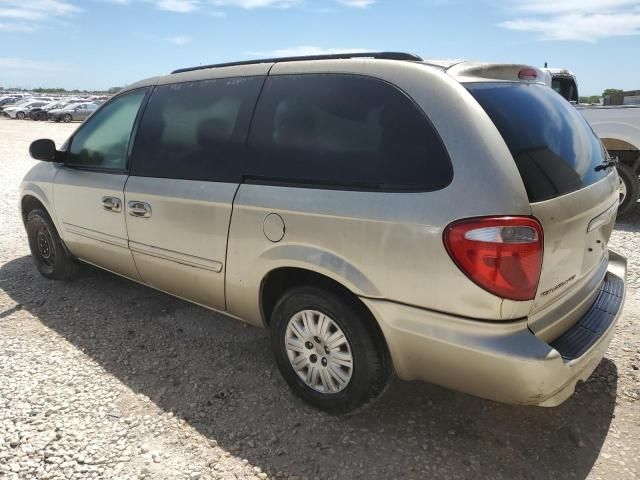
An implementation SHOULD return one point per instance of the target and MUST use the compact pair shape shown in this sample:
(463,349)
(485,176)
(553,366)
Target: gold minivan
(380,214)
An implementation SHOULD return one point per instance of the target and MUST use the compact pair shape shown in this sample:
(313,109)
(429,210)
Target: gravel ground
(103,378)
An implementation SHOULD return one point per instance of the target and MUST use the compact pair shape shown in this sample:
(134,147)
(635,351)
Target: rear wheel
(327,351)
(629,189)
(50,257)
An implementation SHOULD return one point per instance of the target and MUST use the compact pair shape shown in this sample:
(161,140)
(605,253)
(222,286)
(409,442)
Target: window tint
(344,131)
(565,87)
(196,130)
(552,144)
(102,142)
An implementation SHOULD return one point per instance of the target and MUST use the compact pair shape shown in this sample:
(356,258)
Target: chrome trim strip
(93,235)
(181,258)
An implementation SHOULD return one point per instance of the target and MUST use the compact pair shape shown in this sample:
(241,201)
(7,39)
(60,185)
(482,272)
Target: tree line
(598,98)
(62,91)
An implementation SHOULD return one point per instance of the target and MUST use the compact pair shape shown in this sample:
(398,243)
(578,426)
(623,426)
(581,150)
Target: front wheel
(20,115)
(329,351)
(50,257)
(67,118)
(629,189)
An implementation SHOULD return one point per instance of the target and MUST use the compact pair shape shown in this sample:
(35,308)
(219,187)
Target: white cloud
(573,6)
(178,6)
(304,50)
(21,16)
(577,20)
(585,28)
(179,40)
(36,10)
(357,3)
(250,4)
(184,6)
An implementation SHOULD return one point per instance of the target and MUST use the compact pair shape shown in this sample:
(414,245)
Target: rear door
(572,193)
(81,112)
(88,190)
(186,168)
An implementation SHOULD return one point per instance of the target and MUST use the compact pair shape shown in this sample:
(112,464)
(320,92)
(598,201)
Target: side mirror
(43,149)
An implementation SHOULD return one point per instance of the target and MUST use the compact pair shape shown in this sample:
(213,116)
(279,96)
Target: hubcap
(44,244)
(623,190)
(319,351)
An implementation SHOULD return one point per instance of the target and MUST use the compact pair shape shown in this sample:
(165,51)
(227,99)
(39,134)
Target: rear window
(344,131)
(552,144)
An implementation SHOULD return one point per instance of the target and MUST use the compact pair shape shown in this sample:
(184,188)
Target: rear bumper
(502,361)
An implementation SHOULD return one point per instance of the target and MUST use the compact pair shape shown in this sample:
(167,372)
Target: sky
(97,44)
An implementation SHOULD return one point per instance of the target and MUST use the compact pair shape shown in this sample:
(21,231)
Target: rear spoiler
(500,72)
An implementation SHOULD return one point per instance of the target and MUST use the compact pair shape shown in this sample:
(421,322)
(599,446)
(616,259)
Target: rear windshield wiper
(609,163)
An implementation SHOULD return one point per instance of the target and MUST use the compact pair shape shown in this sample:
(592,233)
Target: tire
(49,256)
(629,190)
(20,115)
(67,118)
(371,369)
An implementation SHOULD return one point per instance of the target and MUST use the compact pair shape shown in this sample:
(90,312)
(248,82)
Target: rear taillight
(501,254)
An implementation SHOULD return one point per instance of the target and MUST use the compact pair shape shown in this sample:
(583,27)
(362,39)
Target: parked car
(40,113)
(619,129)
(20,111)
(74,110)
(389,215)
(5,101)
(17,103)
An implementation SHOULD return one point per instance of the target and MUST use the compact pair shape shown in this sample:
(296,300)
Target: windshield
(552,144)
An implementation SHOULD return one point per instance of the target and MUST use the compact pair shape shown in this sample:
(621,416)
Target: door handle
(139,209)
(112,204)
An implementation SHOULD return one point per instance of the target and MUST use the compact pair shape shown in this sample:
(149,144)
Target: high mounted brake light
(528,74)
(503,255)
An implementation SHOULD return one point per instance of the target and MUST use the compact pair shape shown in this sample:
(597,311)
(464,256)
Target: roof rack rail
(334,56)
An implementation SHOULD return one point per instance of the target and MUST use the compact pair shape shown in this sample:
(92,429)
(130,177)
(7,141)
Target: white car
(618,126)
(20,111)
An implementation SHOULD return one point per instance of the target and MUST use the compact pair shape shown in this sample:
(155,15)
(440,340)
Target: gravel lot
(103,378)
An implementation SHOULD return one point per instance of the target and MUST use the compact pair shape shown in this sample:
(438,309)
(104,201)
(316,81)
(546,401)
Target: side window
(344,131)
(196,130)
(103,141)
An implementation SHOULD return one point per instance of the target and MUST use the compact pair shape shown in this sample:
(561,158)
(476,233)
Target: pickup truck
(619,129)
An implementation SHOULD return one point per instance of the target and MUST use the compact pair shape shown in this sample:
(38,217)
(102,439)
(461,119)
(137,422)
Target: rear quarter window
(552,144)
(344,131)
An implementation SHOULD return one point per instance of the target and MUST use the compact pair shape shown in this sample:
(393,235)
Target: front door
(88,190)
(186,168)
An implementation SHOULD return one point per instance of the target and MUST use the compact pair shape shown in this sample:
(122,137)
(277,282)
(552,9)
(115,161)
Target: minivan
(380,214)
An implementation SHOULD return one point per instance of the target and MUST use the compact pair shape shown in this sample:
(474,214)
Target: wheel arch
(625,147)
(277,281)
(34,198)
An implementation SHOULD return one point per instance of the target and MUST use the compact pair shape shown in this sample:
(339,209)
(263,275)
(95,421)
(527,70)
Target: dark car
(40,113)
